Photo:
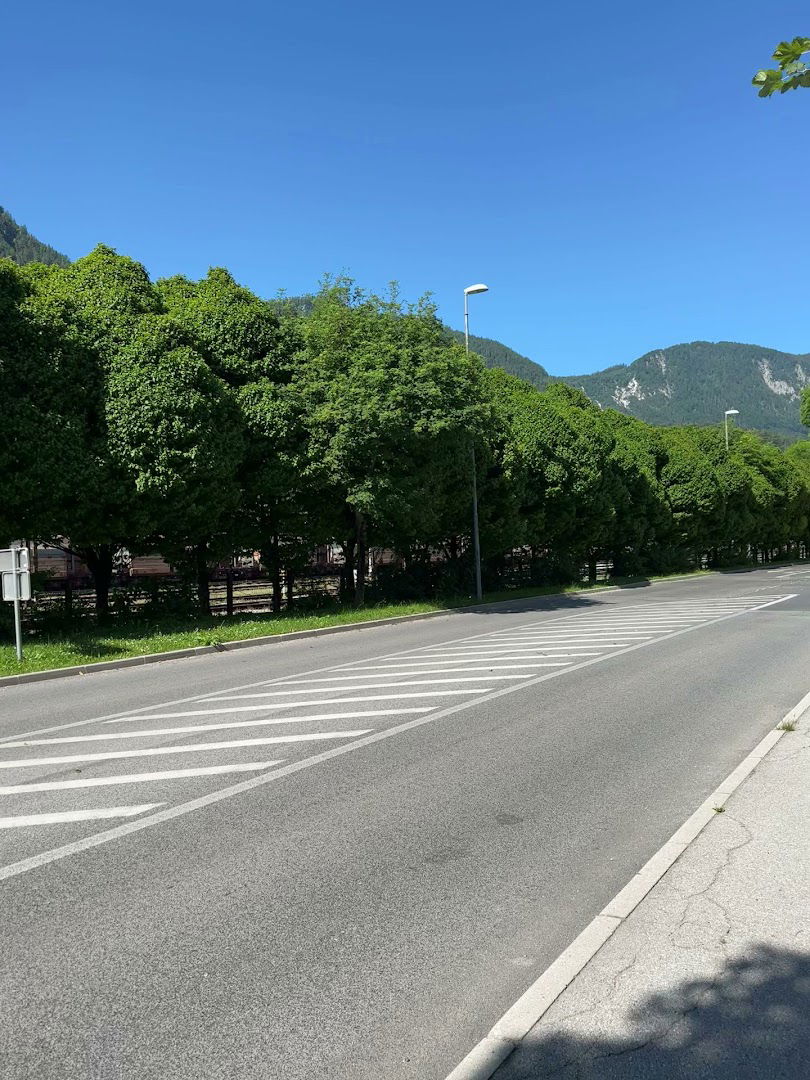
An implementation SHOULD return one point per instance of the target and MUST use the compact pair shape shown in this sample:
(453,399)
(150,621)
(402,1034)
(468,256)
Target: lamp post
(728,413)
(476,541)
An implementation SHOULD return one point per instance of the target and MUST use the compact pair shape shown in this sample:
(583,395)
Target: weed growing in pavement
(786,725)
(719,809)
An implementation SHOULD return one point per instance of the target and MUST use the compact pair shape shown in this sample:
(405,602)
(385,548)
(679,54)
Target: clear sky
(605,168)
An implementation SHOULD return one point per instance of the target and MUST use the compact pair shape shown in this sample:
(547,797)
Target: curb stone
(484,1060)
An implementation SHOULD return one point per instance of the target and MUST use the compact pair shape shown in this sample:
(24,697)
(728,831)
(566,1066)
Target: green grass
(89,644)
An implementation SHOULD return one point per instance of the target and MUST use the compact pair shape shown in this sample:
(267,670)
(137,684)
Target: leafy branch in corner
(792,71)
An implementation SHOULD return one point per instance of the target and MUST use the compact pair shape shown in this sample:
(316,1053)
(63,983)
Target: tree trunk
(592,569)
(99,561)
(362,556)
(203,578)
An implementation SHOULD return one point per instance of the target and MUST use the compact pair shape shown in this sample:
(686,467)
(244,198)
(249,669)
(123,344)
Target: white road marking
(497,649)
(415,667)
(266,707)
(337,690)
(365,739)
(477,658)
(295,705)
(405,675)
(549,620)
(28,763)
(137,778)
(548,652)
(197,729)
(30,820)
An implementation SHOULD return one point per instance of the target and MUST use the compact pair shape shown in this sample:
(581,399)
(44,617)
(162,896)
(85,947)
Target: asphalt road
(346,857)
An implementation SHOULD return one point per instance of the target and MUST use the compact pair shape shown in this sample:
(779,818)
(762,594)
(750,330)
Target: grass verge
(91,644)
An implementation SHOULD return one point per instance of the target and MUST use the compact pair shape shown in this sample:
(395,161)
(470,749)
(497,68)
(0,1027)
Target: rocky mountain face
(695,383)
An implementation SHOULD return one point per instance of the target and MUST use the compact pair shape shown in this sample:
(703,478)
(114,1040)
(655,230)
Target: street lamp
(476,541)
(728,413)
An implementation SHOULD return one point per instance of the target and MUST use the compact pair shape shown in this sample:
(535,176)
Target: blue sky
(605,168)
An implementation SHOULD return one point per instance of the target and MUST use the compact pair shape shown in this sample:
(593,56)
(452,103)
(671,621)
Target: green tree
(99,301)
(391,407)
(175,430)
(49,386)
(791,71)
(252,346)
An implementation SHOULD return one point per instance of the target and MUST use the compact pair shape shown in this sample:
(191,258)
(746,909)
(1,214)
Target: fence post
(229,593)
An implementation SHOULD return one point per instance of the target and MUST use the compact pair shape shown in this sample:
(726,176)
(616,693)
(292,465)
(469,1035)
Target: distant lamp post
(476,541)
(728,413)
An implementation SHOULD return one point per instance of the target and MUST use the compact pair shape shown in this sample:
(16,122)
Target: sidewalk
(709,977)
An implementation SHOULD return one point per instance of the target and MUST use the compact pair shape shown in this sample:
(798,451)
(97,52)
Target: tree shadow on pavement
(750,1023)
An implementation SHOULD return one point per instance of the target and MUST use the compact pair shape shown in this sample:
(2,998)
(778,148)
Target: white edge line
(87,842)
(510,1031)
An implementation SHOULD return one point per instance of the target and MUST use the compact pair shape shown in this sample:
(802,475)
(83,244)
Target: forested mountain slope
(693,383)
(498,355)
(696,382)
(17,244)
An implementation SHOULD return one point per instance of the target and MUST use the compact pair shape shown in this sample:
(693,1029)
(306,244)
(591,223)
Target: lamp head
(732,412)
(475,289)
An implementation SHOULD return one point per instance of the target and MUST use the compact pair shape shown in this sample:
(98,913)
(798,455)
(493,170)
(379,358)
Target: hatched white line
(293,705)
(497,649)
(478,658)
(196,729)
(306,688)
(402,676)
(653,624)
(581,635)
(137,778)
(267,706)
(550,620)
(44,858)
(564,636)
(30,820)
(547,652)
(340,689)
(194,748)
(415,669)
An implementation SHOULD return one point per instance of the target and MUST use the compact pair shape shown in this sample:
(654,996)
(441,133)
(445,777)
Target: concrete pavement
(709,978)
(371,903)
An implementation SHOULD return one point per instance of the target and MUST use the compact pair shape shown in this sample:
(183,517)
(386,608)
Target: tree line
(196,419)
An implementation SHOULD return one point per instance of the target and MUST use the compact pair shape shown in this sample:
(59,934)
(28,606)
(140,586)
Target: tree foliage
(196,419)
(791,71)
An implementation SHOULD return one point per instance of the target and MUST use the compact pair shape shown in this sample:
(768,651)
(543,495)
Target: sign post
(16,582)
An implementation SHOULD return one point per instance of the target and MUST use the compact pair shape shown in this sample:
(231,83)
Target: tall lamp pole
(728,413)
(476,541)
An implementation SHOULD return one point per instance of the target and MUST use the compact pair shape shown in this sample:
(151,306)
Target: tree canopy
(196,419)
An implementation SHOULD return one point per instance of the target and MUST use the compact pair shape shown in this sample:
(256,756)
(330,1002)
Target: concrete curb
(270,639)
(491,1052)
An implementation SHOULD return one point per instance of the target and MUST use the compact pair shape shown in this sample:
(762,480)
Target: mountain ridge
(17,244)
(689,383)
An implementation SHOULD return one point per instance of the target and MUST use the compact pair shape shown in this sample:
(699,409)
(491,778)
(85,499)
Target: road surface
(346,857)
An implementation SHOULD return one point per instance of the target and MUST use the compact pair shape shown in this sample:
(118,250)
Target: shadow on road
(751,1023)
